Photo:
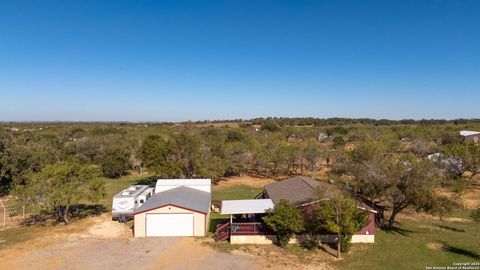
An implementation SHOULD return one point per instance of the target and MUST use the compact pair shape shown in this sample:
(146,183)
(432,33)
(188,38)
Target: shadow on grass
(453,229)
(396,230)
(150,181)
(77,211)
(333,247)
(460,251)
(86,210)
(215,221)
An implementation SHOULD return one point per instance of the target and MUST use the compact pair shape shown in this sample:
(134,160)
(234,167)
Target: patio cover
(258,206)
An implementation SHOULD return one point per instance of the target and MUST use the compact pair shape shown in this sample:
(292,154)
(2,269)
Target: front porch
(245,218)
(230,230)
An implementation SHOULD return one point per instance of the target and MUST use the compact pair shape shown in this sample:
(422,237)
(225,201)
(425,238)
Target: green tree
(59,186)
(239,156)
(469,153)
(114,161)
(341,216)
(286,220)
(388,179)
(157,154)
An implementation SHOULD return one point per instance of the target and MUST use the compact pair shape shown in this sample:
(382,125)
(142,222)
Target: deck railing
(223,231)
(248,228)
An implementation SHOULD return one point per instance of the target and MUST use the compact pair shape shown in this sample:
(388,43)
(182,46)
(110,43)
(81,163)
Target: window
(142,201)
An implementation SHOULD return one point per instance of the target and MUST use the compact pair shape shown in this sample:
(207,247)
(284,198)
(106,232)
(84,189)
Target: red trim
(170,204)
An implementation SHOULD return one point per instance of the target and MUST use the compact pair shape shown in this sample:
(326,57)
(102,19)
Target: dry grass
(243,180)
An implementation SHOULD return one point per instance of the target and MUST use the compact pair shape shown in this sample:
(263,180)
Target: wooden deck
(224,231)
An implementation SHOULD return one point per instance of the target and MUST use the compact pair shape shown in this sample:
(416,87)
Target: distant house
(470,136)
(322,137)
(300,191)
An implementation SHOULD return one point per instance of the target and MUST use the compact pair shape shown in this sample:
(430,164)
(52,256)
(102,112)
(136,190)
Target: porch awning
(258,206)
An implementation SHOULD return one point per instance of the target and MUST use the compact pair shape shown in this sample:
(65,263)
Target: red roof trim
(170,204)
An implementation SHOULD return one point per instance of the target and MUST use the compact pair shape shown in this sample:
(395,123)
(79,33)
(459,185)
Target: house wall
(472,138)
(371,228)
(199,220)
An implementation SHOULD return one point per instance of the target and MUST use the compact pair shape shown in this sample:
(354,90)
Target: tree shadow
(332,247)
(460,251)
(38,219)
(77,211)
(453,229)
(149,181)
(86,210)
(397,230)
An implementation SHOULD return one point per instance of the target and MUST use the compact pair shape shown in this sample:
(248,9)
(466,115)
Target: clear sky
(191,60)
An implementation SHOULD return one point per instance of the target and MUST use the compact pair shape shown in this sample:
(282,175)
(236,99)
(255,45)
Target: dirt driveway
(103,244)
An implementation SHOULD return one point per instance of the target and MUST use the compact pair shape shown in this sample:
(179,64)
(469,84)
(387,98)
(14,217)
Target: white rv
(144,196)
(127,200)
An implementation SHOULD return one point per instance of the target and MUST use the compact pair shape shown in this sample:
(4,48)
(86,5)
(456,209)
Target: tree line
(387,166)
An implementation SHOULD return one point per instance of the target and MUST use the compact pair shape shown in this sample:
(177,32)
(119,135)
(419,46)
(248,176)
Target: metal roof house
(181,207)
(470,136)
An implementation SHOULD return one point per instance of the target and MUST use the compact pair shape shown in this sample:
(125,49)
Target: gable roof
(183,197)
(297,190)
(304,190)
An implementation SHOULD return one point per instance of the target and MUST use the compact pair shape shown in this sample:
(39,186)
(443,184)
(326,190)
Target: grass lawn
(416,245)
(236,192)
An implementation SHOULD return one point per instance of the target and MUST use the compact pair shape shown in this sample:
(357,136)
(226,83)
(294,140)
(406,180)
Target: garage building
(179,211)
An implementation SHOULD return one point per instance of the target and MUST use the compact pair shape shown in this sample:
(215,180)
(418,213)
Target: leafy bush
(285,221)
(346,243)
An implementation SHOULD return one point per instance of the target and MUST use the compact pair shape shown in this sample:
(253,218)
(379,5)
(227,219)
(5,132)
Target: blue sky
(194,60)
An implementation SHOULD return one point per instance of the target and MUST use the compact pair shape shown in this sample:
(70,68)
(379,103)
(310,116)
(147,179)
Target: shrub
(285,221)
(345,245)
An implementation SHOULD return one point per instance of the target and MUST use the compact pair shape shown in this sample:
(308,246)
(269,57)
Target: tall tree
(386,178)
(340,216)
(114,160)
(157,155)
(59,186)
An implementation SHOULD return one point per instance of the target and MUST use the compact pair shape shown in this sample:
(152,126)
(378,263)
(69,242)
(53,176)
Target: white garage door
(169,225)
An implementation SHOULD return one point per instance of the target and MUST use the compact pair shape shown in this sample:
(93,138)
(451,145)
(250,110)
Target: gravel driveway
(150,253)
(100,244)
(109,245)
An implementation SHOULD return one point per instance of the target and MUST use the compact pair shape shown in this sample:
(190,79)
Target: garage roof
(183,197)
(247,206)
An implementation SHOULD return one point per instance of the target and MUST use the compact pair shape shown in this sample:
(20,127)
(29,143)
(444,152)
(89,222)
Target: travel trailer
(129,199)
